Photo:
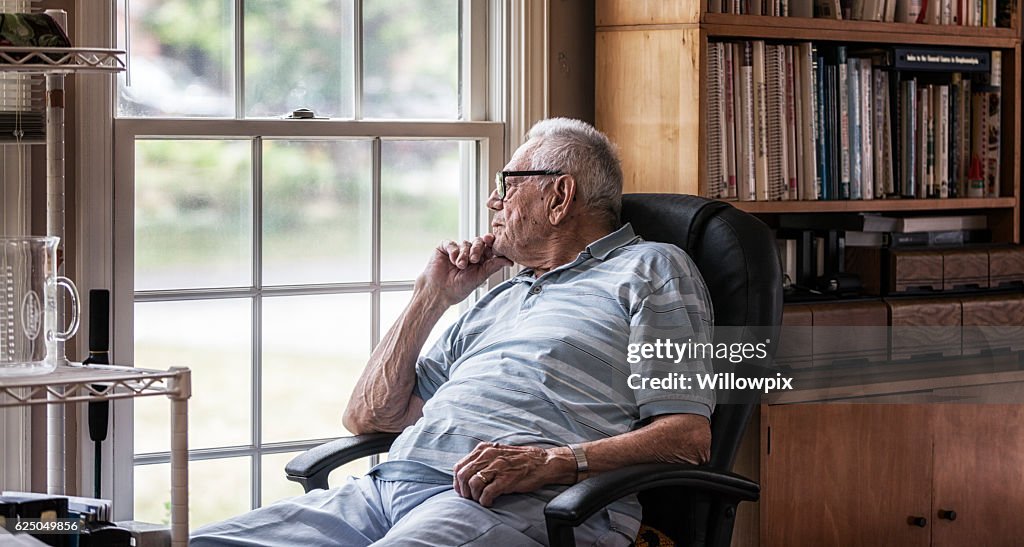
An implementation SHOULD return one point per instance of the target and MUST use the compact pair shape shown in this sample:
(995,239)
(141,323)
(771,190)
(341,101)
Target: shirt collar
(601,248)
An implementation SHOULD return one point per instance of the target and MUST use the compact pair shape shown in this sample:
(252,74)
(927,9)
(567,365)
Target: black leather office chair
(693,505)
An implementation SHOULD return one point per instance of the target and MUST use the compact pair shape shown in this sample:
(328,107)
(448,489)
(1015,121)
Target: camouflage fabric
(31,30)
(652,537)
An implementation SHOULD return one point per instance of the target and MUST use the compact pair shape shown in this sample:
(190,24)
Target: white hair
(580,150)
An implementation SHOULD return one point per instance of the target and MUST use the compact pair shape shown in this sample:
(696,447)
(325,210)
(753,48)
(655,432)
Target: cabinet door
(845,474)
(979,474)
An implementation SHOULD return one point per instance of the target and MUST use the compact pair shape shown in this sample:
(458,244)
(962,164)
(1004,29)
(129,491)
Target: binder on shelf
(936,59)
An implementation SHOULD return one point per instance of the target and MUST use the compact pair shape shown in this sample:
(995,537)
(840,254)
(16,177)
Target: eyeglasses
(502,186)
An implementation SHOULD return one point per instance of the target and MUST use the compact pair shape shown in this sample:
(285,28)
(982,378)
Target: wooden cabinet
(892,474)
(651,72)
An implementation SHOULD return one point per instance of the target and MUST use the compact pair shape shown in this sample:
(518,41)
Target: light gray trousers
(369,511)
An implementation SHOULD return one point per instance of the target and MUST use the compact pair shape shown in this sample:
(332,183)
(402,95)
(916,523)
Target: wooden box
(795,341)
(922,327)
(913,271)
(850,331)
(993,322)
(1006,266)
(965,269)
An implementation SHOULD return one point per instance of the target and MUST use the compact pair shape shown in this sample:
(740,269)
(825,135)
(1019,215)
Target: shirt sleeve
(432,367)
(678,312)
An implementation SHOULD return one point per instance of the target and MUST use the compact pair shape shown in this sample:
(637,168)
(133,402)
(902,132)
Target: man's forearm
(492,469)
(383,397)
(676,438)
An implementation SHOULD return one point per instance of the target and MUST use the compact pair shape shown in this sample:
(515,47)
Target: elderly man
(527,392)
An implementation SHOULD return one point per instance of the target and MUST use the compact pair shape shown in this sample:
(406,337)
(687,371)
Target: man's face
(520,221)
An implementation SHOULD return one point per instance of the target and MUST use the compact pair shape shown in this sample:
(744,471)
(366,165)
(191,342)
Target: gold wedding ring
(482,478)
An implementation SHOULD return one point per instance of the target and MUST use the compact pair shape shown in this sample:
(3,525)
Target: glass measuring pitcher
(28,305)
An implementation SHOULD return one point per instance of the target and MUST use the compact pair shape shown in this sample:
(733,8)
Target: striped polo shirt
(543,361)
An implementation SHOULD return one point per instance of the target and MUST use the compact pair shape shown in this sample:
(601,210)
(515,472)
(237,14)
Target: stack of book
(810,122)
(873,230)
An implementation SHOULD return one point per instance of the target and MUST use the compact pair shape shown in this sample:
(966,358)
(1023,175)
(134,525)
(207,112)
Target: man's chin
(499,247)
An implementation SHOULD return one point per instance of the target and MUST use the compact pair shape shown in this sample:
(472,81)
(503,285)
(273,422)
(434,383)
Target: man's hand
(492,469)
(455,269)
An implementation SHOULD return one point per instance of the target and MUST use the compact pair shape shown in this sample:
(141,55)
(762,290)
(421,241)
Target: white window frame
(521,25)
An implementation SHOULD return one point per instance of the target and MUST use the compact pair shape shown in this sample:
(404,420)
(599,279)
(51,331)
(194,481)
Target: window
(269,254)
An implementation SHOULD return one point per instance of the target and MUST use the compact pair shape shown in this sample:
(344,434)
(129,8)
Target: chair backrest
(736,254)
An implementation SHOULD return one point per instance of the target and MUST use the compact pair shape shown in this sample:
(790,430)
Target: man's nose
(494,203)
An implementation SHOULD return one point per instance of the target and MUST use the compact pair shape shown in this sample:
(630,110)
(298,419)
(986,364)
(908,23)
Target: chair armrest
(310,469)
(576,504)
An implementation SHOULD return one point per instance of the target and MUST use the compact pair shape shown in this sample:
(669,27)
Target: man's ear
(561,199)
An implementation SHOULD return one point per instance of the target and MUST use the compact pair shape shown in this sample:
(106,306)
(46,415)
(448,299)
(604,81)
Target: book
(760,121)
(775,126)
(993,111)
(801,8)
(846,99)
(821,115)
(792,124)
(853,125)
(917,239)
(788,257)
(866,117)
(729,101)
(810,176)
(715,153)
(884,181)
(839,221)
(832,164)
(906,11)
(908,138)
(746,187)
(924,142)
(933,59)
(870,222)
(941,109)
(939,223)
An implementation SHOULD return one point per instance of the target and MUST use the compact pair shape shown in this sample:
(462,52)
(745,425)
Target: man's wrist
(430,301)
(563,463)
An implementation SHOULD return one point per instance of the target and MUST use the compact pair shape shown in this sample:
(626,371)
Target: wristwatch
(581,461)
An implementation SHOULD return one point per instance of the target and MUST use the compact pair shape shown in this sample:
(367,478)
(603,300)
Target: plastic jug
(28,305)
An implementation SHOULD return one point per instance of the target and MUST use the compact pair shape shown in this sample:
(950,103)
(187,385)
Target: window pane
(181,59)
(298,54)
(393,302)
(314,349)
(419,203)
(316,211)
(193,214)
(277,487)
(411,59)
(218,489)
(212,338)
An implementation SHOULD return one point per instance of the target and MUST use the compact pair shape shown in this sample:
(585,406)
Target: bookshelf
(651,59)
(651,67)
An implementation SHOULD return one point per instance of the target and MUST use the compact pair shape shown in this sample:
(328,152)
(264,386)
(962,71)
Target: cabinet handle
(949,515)
(917,521)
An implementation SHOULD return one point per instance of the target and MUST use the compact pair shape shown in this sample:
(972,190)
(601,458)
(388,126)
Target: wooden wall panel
(648,104)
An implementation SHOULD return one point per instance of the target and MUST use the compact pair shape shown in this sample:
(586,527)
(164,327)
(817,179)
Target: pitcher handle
(73,326)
